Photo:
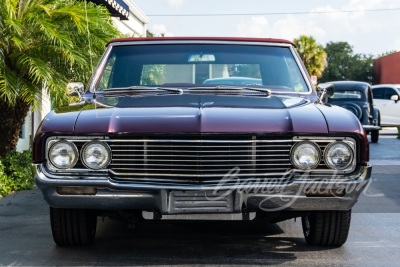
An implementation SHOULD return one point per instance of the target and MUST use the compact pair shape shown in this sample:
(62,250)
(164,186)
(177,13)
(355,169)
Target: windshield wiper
(224,87)
(132,88)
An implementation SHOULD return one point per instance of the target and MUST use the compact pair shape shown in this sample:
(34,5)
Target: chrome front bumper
(293,196)
(372,127)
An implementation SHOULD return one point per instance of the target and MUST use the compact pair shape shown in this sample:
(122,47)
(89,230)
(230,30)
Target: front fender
(377,117)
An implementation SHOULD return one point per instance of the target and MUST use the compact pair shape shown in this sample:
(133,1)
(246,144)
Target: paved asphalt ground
(25,236)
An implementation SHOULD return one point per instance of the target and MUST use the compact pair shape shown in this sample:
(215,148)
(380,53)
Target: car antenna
(88,32)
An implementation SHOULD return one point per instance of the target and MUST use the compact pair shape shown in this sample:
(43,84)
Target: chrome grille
(199,159)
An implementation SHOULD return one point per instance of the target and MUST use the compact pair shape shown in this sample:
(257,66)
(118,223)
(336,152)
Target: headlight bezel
(74,148)
(323,142)
(332,166)
(90,142)
(297,145)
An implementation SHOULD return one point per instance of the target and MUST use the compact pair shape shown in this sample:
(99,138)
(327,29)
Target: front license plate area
(189,201)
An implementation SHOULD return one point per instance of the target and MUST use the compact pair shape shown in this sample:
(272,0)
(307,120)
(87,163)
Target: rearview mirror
(75,89)
(395,98)
(325,91)
(201,58)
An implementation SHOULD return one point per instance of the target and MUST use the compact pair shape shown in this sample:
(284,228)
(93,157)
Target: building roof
(237,39)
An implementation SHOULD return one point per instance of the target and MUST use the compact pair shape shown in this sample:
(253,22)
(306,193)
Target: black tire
(374,136)
(73,226)
(326,228)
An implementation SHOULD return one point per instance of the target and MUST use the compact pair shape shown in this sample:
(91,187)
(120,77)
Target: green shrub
(16,172)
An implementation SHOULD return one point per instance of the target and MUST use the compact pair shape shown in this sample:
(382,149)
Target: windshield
(185,66)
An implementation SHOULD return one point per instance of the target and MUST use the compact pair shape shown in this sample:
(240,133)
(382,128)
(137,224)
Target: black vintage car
(357,97)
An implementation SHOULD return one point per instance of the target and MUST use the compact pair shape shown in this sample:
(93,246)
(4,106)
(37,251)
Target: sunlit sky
(368,32)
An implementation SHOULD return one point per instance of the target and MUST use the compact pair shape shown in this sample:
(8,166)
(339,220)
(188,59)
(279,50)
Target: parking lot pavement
(25,236)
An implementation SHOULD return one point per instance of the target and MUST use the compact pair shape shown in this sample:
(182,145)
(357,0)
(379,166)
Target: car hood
(197,114)
(200,114)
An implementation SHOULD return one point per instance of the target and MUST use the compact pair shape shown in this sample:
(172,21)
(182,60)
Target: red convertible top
(240,39)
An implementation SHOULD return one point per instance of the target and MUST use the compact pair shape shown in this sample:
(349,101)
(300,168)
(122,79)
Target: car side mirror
(75,89)
(395,98)
(325,91)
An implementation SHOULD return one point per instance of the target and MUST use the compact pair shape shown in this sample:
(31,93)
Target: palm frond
(44,44)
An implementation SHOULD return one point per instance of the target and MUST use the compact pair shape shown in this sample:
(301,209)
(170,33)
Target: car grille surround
(200,160)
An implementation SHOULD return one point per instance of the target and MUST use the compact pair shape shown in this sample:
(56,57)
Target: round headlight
(306,155)
(63,154)
(96,155)
(338,155)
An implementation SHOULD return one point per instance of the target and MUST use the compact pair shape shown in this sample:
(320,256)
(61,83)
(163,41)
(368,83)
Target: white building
(129,20)
(136,24)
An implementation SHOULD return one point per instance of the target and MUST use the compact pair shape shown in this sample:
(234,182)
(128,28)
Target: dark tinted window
(390,92)
(379,93)
(348,94)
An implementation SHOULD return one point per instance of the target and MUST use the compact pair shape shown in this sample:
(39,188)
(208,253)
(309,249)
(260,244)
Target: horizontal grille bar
(196,151)
(194,175)
(200,141)
(189,165)
(199,156)
(195,170)
(197,146)
(199,160)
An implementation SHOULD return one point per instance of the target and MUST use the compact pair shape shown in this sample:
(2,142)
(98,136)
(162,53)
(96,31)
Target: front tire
(73,226)
(374,136)
(326,228)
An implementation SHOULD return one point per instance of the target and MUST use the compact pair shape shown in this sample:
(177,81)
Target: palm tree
(312,54)
(43,45)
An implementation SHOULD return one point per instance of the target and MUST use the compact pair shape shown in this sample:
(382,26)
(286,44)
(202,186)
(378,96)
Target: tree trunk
(11,120)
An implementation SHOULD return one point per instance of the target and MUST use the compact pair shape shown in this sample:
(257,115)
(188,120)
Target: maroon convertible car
(152,139)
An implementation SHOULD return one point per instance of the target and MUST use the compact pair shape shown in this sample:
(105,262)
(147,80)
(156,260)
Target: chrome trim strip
(360,176)
(99,69)
(79,175)
(201,42)
(303,73)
